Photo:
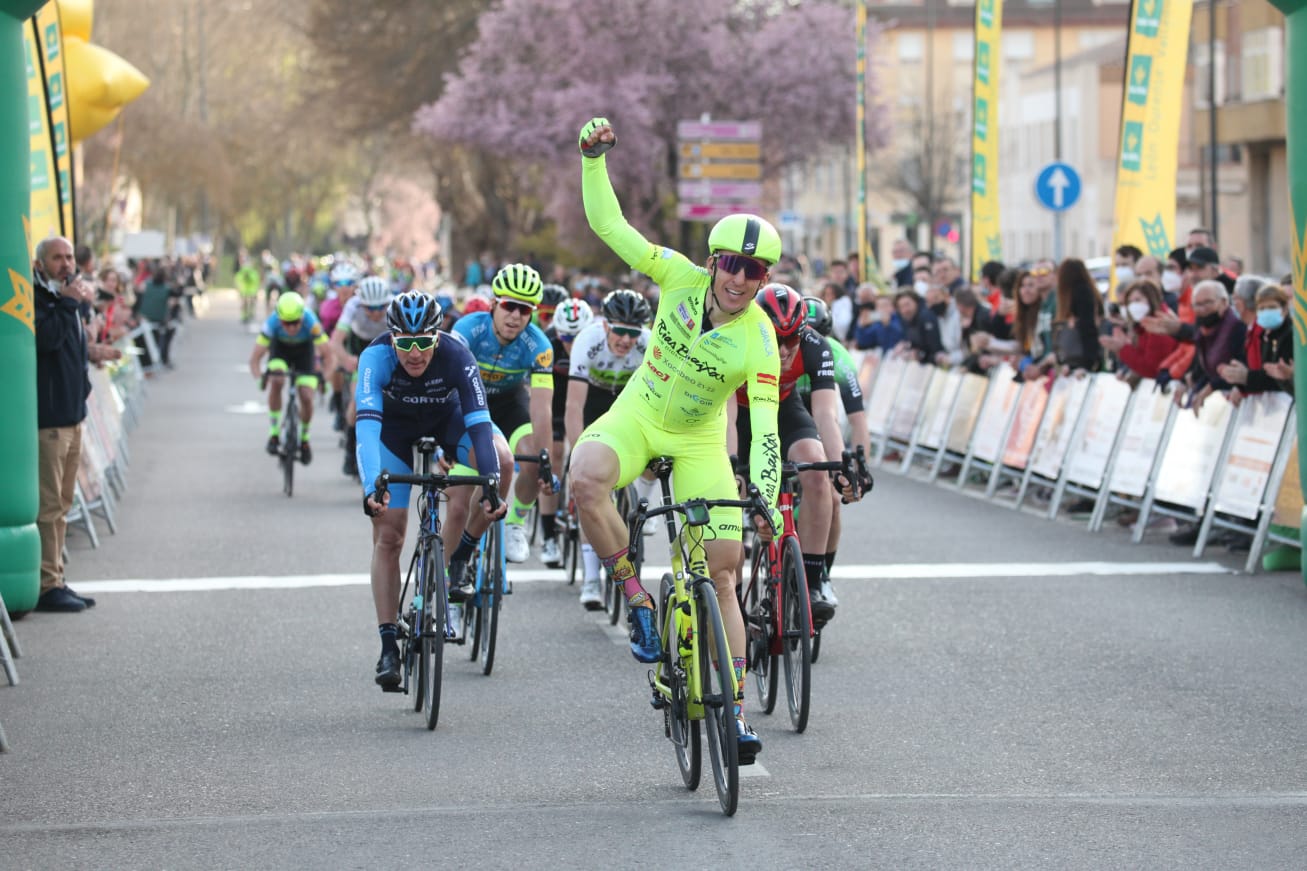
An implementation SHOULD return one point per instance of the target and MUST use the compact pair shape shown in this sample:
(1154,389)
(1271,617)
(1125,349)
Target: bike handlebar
(437,481)
(643,512)
(546,469)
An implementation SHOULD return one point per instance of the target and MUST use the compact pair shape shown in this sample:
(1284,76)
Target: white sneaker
(828,590)
(592,594)
(516,547)
(552,556)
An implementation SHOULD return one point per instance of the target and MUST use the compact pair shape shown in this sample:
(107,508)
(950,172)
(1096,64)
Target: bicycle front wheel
(434,615)
(290,447)
(760,623)
(491,597)
(796,634)
(681,730)
(717,687)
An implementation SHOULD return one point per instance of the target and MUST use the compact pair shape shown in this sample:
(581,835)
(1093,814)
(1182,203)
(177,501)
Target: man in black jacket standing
(62,385)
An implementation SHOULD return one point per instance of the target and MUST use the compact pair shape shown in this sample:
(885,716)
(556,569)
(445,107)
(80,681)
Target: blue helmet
(413,312)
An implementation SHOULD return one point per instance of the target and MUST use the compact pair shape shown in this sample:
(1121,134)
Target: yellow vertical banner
(1156,54)
(50,45)
(986,240)
(46,214)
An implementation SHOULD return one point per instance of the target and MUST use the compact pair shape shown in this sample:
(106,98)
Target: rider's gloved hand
(596,137)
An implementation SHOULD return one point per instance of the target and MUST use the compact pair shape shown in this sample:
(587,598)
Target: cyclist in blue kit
(414,382)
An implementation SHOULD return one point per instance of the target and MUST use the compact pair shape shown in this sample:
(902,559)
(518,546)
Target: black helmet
(818,314)
(553,295)
(626,307)
(413,312)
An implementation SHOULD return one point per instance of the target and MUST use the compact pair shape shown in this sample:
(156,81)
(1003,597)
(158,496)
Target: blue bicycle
(424,625)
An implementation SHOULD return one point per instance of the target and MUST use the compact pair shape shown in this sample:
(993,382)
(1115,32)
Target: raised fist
(597,136)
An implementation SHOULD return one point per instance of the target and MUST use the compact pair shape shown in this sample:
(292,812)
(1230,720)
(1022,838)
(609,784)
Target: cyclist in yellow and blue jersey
(708,339)
(517,367)
(292,336)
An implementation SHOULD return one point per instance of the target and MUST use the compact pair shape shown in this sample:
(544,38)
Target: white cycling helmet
(374,290)
(344,273)
(571,317)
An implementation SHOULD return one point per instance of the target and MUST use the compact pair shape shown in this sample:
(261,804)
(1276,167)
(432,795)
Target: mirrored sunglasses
(627,332)
(754,270)
(414,343)
(521,308)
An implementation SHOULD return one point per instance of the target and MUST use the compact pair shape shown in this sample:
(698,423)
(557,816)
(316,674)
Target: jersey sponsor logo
(707,369)
(768,338)
(418,400)
(721,339)
(729,527)
(771,455)
(676,347)
(686,317)
(694,397)
(665,253)
(545,358)
(663,376)
(691,411)
(657,353)
(474,379)
(492,376)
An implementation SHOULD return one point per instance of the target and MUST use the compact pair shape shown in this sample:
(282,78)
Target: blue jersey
(448,398)
(505,368)
(310,331)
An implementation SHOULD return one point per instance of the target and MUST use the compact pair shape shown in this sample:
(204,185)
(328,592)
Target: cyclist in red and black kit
(805,437)
(568,318)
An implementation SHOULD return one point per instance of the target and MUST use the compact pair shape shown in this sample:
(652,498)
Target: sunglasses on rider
(377,308)
(513,306)
(754,270)
(414,343)
(290,325)
(626,332)
(790,341)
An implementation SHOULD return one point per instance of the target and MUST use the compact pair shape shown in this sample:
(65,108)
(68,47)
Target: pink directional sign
(719,130)
(720,191)
(708,211)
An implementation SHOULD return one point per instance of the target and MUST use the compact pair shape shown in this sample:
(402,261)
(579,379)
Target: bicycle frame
(775,548)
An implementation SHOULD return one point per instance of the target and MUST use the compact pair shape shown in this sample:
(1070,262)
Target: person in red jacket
(1139,350)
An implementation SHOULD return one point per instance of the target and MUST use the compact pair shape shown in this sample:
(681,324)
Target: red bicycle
(777,610)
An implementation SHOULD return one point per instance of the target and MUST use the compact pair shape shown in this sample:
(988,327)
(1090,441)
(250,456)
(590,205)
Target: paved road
(974,706)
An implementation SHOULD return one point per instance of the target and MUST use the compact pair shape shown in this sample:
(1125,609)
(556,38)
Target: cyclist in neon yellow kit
(708,339)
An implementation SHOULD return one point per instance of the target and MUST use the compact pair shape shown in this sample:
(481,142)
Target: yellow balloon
(100,83)
(75,18)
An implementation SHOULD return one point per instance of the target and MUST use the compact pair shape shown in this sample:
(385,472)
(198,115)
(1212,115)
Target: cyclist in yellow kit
(707,340)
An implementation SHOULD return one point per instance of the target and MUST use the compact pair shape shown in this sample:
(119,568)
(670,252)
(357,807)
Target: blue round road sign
(1057,187)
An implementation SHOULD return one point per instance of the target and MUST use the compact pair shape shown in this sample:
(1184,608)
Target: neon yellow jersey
(689,372)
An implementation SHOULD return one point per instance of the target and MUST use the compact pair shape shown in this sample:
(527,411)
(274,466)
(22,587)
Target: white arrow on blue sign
(1057,187)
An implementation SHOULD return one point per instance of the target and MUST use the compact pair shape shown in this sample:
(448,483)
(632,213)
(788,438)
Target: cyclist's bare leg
(387,542)
(595,470)
(275,383)
(818,502)
(723,556)
(306,403)
(527,486)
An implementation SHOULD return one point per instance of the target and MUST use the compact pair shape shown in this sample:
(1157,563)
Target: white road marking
(249,406)
(754,770)
(887,571)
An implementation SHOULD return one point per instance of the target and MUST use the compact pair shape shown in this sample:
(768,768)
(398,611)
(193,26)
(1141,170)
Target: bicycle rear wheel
(717,685)
(760,623)
(571,547)
(681,730)
(491,597)
(796,634)
(434,615)
(614,593)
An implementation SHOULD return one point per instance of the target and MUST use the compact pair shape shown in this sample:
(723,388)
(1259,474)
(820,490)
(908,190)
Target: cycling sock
(304,430)
(388,631)
(520,510)
(274,423)
(548,524)
(624,573)
(589,562)
(814,565)
(737,662)
(466,546)
(830,562)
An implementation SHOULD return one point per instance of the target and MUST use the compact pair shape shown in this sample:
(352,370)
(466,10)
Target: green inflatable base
(20,567)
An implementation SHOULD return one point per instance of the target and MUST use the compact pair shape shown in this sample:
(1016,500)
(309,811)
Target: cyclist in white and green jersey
(707,340)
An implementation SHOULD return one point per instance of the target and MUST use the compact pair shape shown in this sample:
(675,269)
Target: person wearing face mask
(1268,348)
(902,254)
(1141,353)
(1125,258)
(1219,339)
